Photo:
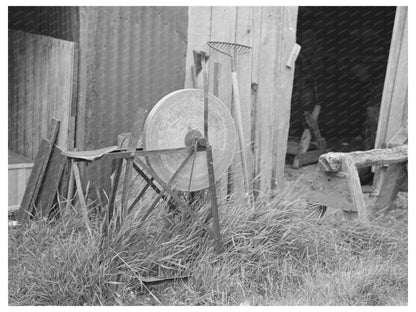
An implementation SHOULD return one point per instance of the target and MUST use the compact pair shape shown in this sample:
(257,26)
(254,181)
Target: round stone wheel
(174,122)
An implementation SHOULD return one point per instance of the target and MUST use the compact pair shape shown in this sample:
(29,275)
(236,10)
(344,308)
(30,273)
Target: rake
(233,50)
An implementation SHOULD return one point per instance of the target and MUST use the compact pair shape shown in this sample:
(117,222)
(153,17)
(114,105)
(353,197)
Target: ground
(276,253)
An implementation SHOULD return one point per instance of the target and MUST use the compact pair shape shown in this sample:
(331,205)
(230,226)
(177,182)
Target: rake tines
(228,48)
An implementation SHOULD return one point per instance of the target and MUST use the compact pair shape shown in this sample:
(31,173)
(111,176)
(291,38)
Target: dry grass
(275,254)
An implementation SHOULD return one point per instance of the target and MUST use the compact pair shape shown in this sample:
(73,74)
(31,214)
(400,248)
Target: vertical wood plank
(199,28)
(81,197)
(223,23)
(284,94)
(398,99)
(255,65)
(395,86)
(266,97)
(244,35)
(393,75)
(223,27)
(390,187)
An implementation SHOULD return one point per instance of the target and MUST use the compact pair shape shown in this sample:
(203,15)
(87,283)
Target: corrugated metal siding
(40,88)
(133,57)
(57,22)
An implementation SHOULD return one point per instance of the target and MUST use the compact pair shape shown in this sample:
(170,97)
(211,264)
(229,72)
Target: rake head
(228,48)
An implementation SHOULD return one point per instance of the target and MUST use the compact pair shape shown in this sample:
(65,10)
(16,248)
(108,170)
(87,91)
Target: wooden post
(81,197)
(349,167)
(392,181)
(349,162)
(393,108)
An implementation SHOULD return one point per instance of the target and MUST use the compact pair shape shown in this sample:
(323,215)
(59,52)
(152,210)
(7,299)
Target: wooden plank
(50,182)
(244,35)
(84,23)
(398,49)
(223,28)
(255,65)
(312,123)
(310,157)
(284,94)
(71,182)
(395,175)
(332,162)
(399,138)
(399,95)
(199,25)
(356,193)
(81,197)
(305,141)
(38,171)
(302,148)
(113,191)
(271,25)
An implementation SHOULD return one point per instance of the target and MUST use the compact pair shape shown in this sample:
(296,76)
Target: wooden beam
(81,197)
(390,187)
(400,137)
(395,84)
(50,182)
(356,193)
(332,162)
(303,147)
(223,28)
(38,172)
(310,157)
(283,95)
(270,34)
(244,35)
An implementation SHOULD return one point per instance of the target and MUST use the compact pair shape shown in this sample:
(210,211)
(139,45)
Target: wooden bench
(342,167)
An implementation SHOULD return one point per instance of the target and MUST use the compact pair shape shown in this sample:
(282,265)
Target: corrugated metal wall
(40,88)
(130,57)
(58,22)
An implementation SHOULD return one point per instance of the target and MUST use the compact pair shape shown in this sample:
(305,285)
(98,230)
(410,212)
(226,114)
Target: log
(332,162)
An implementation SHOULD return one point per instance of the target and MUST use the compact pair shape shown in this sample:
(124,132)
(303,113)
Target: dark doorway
(341,67)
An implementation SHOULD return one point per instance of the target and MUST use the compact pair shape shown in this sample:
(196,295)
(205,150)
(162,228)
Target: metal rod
(114,190)
(188,156)
(144,189)
(146,178)
(214,203)
(124,196)
(181,204)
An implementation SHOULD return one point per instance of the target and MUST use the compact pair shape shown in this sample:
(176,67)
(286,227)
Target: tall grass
(276,253)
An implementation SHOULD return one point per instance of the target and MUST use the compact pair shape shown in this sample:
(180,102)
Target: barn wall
(40,88)
(271,32)
(130,57)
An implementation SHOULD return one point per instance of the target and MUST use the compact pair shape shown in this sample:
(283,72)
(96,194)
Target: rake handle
(237,112)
